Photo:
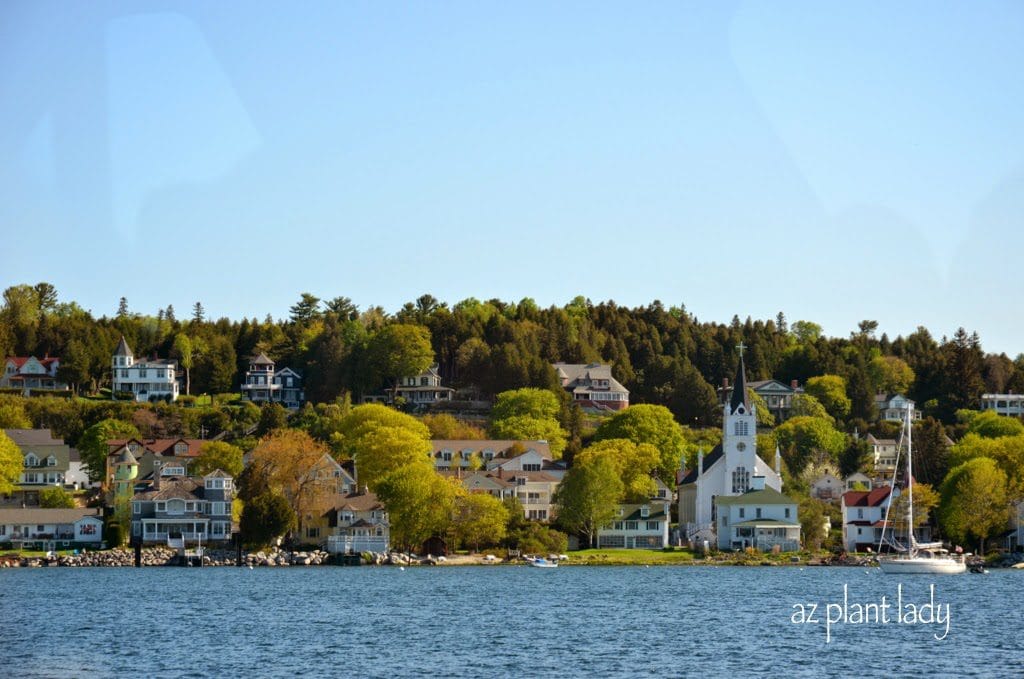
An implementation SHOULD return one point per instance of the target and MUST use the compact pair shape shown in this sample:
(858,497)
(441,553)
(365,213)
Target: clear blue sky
(834,161)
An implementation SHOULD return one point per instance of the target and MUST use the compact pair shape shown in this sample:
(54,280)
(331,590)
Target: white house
(50,528)
(637,526)
(359,523)
(28,373)
(1011,405)
(828,487)
(729,469)
(883,454)
(893,407)
(864,517)
(148,379)
(762,518)
(421,390)
(592,386)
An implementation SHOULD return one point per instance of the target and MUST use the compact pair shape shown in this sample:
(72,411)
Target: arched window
(740,480)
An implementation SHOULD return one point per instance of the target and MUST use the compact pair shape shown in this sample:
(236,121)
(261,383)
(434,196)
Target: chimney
(501,473)
(757,483)
(725,383)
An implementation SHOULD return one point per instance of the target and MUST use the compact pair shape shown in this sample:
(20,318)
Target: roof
(885,442)
(160,446)
(773,385)
(739,389)
(500,447)
(126,457)
(631,512)
(20,361)
(173,488)
(572,373)
(866,498)
(359,502)
(122,348)
(690,475)
(768,523)
(261,359)
(39,515)
(768,496)
(33,437)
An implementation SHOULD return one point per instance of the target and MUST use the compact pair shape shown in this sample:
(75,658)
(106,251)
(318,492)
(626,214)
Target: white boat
(917,558)
(541,562)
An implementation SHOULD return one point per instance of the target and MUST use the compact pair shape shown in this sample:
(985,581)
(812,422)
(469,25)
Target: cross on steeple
(740,347)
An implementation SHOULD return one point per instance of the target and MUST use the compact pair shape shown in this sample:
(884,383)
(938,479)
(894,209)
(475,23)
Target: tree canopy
(653,425)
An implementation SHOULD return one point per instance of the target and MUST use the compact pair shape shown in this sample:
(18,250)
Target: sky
(836,162)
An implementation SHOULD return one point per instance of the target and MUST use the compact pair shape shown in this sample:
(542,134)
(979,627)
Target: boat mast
(910,482)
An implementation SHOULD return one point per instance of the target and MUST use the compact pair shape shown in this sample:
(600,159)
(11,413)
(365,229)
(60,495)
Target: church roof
(739,390)
(768,496)
(690,476)
(122,348)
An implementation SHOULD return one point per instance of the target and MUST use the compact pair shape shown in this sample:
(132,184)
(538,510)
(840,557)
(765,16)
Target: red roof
(20,361)
(160,446)
(866,498)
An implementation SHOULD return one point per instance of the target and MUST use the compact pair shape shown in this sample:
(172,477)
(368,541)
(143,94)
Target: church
(732,468)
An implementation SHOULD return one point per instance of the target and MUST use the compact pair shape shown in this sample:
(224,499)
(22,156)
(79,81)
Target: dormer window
(51,461)
(645,511)
(180,448)
(31,460)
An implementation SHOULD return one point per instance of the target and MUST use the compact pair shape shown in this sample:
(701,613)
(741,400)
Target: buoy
(401,568)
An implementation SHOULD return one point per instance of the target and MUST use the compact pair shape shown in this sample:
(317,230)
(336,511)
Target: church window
(741,428)
(740,480)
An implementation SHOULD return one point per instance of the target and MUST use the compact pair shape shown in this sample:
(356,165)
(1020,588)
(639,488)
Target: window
(860,513)
(787,512)
(645,511)
(759,512)
(743,512)
(631,525)
(142,372)
(653,525)
(31,460)
(51,461)
(538,514)
(617,525)
(312,532)
(741,428)
(740,480)
(531,467)
(136,508)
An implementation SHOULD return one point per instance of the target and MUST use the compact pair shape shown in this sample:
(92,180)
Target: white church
(732,469)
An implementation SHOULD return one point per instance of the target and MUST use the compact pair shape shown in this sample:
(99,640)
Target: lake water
(498,621)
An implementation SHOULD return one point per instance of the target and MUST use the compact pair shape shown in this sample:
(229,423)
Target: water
(494,621)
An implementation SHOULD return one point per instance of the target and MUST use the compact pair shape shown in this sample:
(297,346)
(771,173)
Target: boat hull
(922,566)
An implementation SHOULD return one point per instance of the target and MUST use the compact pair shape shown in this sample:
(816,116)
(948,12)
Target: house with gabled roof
(173,455)
(146,379)
(637,526)
(49,529)
(592,386)
(420,391)
(29,374)
(893,407)
(777,395)
(761,518)
(864,517)
(491,454)
(179,509)
(46,461)
(264,384)
(358,523)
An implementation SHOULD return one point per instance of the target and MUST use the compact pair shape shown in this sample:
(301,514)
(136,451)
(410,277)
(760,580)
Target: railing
(343,544)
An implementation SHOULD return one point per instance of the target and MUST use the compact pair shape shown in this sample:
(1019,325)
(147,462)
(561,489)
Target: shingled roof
(690,476)
(739,390)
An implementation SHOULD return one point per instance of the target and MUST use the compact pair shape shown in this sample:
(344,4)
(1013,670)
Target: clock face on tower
(741,446)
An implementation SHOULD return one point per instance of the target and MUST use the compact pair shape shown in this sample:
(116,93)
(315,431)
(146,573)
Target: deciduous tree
(974,503)
(588,497)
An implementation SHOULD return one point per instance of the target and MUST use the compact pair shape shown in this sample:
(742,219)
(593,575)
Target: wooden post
(138,552)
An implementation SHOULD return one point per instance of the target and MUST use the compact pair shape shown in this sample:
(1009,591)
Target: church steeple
(739,389)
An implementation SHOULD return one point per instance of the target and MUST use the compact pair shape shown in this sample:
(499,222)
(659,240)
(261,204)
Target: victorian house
(146,379)
(263,384)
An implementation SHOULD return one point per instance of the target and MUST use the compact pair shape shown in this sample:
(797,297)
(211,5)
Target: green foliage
(480,519)
(812,514)
(806,439)
(527,402)
(830,390)
(890,375)
(11,462)
(273,416)
(382,450)
(400,350)
(1006,451)
(974,503)
(805,405)
(214,455)
(265,517)
(588,496)
(991,425)
(651,424)
(633,463)
(114,534)
(446,427)
(12,414)
(56,497)
(764,415)
(420,504)
(526,428)
(806,332)
(93,444)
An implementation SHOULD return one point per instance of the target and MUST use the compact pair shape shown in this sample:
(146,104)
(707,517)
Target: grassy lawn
(630,557)
(31,553)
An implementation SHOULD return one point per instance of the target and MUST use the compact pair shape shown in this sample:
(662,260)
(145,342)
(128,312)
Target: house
(864,517)
(761,518)
(46,461)
(893,407)
(592,386)
(323,486)
(264,384)
(827,486)
(859,481)
(29,373)
(490,454)
(50,529)
(777,395)
(151,379)
(358,523)
(534,490)
(420,391)
(883,454)
(1011,405)
(637,526)
(728,470)
(77,476)
(176,509)
(170,456)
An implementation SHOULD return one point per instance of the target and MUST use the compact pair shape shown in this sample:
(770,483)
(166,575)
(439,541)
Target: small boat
(541,562)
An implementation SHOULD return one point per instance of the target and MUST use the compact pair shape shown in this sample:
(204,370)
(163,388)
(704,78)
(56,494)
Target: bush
(56,498)
(113,534)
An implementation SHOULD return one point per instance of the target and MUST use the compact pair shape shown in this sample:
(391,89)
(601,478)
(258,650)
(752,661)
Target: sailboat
(916,558)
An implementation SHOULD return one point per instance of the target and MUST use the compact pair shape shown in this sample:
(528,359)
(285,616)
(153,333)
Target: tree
(420,504)
(803,439)
(400,350)
(931,452)
(764,415)
(122,308)
(925,500)
(198,312)
(806,332)
(344,308)
(1005,451)
(215,366)
(525,428)
(807,406)
(56,498)
(830,390)
(989,424)
(651,424)
(273,416)
(11,463)
(306,309)
(287,462)
(12,414)
(812,522)
(93,444)
(186,357)
(890,375)
(365,419)
(526,402)
(265,517)
(445,426)
(855,456)
(964,364)
(974,502)
(47,295)
(214,455)
(633,462)
(382,450)
(588,496)
(480,519)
